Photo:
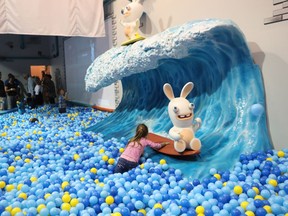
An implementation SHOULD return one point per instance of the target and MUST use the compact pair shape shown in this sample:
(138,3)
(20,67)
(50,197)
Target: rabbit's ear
(168,91)
(186,89)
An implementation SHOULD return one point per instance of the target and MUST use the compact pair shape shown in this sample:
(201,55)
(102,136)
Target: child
(134,149)
(62,101)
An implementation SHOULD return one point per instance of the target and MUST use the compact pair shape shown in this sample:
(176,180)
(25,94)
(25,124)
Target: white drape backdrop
(52,17)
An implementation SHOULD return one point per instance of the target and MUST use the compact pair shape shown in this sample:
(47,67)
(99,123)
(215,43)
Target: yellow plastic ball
(8,208)
(121,150)
(273,182)
(40,207)
(28,146)
(158,205)
(217,176)
(116,214)
(256,190)
(11,169)
(2,184)
(23,196)
(109,200)
(281,153)
(33,179)
(47,195)
(27,160)
(64,184)
(258,197)
(143,211)
(76,157)
(249,213)
(66,198)
(111,161)
(82,179)
(66,206)
(93,170)
(244,204)
(238,190)
(162,161)
(17,158)
(101,151)
(74,202)
(19,186)
(9,187)
(200,210)
(105,158)
(15,210)
(269,159)
(267,208)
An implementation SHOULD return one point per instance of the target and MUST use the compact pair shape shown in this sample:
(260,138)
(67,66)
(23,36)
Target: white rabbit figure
(131,19)
(181,114)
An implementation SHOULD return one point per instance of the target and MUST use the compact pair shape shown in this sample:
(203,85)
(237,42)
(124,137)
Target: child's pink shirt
(133,150)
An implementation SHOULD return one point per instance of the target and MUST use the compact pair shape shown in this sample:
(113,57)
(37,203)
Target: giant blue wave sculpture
(214,55)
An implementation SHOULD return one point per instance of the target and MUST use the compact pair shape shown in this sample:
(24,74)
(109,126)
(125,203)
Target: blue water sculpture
(214,55)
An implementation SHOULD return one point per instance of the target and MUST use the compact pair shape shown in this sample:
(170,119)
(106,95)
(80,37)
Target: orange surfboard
(169,149)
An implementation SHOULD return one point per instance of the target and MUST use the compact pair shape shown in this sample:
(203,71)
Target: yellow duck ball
(109,200)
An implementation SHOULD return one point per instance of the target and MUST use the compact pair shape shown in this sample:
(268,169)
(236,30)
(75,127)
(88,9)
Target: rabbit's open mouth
(183,117)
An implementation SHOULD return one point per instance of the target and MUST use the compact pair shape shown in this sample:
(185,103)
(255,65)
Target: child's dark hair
(141,131)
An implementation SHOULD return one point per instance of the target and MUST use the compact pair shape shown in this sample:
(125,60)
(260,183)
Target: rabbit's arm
(197,124)
(174,134)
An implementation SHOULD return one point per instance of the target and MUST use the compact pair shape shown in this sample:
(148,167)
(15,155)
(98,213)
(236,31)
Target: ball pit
(55,167)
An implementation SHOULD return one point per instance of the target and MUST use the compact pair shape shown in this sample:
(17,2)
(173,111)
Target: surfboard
(132,41)
(169,149)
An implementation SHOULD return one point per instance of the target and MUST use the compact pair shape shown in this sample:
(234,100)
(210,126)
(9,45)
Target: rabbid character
(131,19)
(181,113)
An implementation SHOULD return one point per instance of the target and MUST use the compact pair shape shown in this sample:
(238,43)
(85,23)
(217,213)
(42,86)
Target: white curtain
(52,17)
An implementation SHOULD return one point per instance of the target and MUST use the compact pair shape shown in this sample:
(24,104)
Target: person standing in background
(2,94)
(12,90)
(38,92)
(30,84)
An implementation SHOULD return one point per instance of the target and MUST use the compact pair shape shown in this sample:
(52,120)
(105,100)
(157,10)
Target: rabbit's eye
(175,109)
(128,8)
(191,106)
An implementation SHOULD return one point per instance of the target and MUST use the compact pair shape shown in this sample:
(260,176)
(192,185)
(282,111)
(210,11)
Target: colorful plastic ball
(74,202)
(76,157)
(257,110)
(200,210)
(105,158)
(23,196)
(280,154)
(2,184)
(66,198)
(162,161)
(273,182)
(11,169)
(158,212)
(40,207)
(109,200)
(111,161)
(9,187)
(238,190)
(66,207)
(249,213)
(93,170)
